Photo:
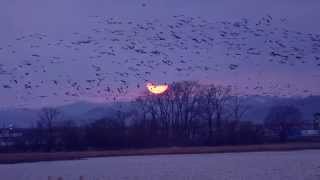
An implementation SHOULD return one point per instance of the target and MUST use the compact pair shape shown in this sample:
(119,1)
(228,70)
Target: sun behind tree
(157,89)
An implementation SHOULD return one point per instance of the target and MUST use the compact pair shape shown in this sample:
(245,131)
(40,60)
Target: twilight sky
(56,52)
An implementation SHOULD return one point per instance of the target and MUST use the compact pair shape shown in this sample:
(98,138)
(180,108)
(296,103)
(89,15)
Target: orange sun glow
(157,89)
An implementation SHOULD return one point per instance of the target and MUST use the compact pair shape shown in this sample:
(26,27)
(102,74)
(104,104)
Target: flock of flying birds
(111,56)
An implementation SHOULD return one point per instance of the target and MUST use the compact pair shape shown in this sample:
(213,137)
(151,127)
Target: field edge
(13,158)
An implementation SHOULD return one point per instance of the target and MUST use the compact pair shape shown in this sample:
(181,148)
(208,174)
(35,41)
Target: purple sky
(56,26)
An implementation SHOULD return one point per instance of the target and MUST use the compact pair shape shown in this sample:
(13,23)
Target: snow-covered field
(294,165)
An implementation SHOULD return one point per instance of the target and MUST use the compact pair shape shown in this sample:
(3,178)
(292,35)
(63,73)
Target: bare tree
(213,101)
(147,121)
(47,120)
(5,134)
(283,118)
(236,110)
(171,115)
(106,133)
(316,124)
(3,124)
(185,102)
(70,135)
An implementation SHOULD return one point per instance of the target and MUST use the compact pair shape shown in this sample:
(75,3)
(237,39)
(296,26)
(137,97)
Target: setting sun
(157,89)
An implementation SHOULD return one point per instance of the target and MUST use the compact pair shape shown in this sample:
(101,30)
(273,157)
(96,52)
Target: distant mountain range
(84,111)
(259,106)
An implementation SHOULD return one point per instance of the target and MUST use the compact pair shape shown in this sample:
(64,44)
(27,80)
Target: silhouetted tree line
(188,114)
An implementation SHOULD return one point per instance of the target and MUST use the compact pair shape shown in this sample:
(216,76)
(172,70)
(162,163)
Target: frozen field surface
(294,165)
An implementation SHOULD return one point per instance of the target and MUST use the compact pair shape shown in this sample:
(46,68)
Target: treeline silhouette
(188,114)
